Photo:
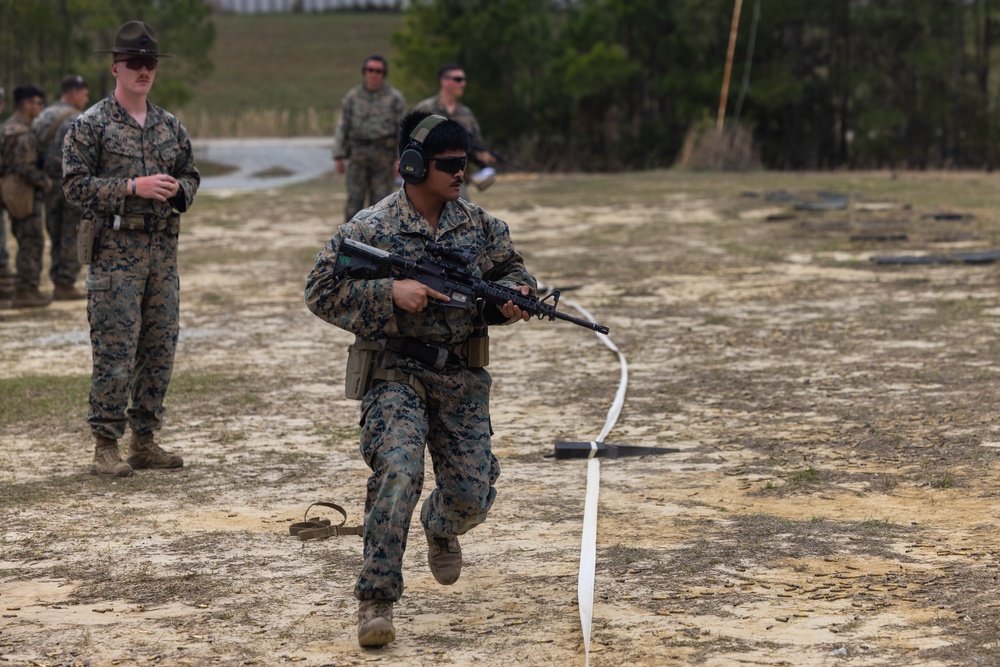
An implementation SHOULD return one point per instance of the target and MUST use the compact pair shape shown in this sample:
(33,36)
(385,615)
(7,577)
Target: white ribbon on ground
(588,544)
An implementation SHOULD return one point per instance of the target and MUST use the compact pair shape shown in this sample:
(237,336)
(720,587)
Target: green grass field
(279,74)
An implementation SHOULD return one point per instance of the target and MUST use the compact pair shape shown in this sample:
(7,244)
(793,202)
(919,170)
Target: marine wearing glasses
(450,165)
(136,64)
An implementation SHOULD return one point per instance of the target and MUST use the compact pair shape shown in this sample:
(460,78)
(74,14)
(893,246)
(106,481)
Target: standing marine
(19,162)
(448,103)
(6,275)
(130,165)
(366,136)
(61,217)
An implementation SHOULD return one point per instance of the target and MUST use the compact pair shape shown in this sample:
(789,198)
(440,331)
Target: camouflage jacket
(368,118)
(19,152)
(50,128)
(105,147)
(365,308)
(463,116)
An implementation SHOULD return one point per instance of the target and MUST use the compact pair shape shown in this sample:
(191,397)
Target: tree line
(618,84)
(43,40)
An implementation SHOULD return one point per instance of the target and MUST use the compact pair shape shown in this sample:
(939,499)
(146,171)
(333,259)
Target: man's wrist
(133,186)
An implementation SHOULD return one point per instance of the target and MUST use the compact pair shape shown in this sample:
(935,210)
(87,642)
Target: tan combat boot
(67,293)
(375,623)
(29,297)
(444,555)
(107,459)
(145,453)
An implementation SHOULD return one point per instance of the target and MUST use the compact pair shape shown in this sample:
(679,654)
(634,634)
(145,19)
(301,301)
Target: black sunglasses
(457,79)
(375,70)
(138,63)
(450,165)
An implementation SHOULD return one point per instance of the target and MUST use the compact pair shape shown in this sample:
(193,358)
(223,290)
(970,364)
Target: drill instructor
(130,164)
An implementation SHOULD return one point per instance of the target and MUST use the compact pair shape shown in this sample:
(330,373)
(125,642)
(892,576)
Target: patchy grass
(41,398)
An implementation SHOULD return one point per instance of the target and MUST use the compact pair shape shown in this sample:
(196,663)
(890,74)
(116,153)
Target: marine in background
(451,87)
(365,137)
(61,217)
(19,159)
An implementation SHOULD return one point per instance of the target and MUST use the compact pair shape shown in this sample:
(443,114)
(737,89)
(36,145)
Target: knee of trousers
(468,508)
(399,467)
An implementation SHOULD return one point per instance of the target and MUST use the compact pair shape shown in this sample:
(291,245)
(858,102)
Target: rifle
(446,270)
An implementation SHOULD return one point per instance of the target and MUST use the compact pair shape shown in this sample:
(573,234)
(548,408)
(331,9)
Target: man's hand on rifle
(413,296)
(511,311)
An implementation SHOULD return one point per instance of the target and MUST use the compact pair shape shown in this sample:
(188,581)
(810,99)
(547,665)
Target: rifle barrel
(594,326)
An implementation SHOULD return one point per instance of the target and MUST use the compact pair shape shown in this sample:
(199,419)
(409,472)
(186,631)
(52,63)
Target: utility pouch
(85,239)
(478,349)
(18,196)
(360,364)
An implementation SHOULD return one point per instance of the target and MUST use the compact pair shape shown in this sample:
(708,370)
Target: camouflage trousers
(30,247)
(133,303)
(4,253)
(61,220)
(369,179)
(396,426)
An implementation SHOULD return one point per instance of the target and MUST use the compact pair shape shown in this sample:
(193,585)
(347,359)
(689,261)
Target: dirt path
(834,499)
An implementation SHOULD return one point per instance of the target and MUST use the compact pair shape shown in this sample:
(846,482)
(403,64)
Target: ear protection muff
(413,163)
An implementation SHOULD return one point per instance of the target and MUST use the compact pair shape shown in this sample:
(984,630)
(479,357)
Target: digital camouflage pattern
(366,135)
(133,287)
(105,148)
(133,302)
(19,155)
(4,253)
(61,217)
(462,115)
(50,129)
(62,220)
(396,425)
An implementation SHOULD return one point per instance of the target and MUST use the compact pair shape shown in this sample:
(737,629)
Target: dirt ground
(833,500)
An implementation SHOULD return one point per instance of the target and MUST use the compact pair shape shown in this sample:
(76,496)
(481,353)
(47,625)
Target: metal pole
(729,66)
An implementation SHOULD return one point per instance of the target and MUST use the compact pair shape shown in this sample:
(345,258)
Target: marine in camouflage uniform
(446,410)
(135,180)
(447,103)
(61,217)
(20,156)
(366,136)
(462,115)
(6,275)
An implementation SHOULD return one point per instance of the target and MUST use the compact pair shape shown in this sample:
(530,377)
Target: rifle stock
(445,270)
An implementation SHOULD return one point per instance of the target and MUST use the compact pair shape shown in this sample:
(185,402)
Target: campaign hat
(135,38)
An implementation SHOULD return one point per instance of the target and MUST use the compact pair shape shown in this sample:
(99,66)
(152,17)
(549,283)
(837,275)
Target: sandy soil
(833,500)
